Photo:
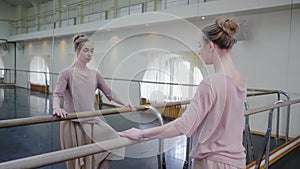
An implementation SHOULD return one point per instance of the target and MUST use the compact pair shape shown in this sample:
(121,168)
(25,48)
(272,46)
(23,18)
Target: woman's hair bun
(228,25)
(79,37)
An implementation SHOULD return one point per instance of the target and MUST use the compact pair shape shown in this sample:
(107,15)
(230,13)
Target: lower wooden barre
(67,154)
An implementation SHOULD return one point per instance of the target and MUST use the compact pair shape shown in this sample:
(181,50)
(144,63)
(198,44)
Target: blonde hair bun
(79,39)
(228,25)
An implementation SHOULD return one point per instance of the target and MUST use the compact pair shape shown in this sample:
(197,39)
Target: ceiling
(25,3)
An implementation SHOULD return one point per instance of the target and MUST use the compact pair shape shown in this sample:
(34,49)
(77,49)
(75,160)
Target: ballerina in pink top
(214,118)
(76,85)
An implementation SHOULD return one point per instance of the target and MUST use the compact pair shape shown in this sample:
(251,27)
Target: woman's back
(215,120)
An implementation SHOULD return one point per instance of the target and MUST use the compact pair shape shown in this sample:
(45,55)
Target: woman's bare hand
(133,133)
(60,113)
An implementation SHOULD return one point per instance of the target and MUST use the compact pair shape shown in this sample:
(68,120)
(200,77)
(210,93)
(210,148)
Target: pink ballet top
(77,87)
(214,119)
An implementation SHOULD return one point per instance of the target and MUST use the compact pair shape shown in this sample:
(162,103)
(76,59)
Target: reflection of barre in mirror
(67,154)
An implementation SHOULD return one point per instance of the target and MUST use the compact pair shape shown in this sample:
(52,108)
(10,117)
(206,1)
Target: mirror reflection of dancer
(76,85)
(214,118)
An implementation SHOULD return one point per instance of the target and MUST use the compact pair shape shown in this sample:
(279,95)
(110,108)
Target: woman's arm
(120,101)
(165,131)
(187,124)
(110,95)
(58,95)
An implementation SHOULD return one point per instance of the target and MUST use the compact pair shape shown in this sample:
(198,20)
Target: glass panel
(132,9)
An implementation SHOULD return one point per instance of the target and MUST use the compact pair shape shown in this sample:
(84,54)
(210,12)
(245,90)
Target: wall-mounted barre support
(247,137)
(260,92)
(267,143)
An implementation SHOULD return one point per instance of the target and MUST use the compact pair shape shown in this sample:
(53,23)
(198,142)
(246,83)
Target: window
(167,4)
(38,63)
(95,17)
(68,22)
(1,68)
(47,26)
(31,24)
(46,22)
(32,29)
(132,9)
(173,69)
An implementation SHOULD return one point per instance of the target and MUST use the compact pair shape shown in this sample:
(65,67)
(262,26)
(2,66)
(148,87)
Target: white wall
(269,60)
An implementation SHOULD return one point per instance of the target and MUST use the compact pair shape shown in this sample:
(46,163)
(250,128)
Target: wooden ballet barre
(70,116)
(169,104)
(46,159)
(270,107)
(50,118)
(260,92)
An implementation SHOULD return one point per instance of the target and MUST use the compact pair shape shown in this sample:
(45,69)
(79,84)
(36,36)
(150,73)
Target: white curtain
(1,68)
(179,68)
(38,63)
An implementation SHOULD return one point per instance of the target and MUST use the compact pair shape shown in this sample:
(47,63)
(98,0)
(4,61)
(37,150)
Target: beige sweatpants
(73,134)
